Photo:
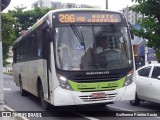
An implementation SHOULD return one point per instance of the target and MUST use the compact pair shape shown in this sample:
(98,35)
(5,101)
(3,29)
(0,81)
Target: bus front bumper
(64,97)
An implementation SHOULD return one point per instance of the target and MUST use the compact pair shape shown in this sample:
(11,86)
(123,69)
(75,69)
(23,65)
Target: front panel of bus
(93,58)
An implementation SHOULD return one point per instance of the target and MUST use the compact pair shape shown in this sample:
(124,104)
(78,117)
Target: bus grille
(94,89)
(88,98)
(96,78)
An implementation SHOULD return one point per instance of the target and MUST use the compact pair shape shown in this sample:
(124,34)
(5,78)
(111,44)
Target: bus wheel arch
(44,104)
(22,91)
(38,84)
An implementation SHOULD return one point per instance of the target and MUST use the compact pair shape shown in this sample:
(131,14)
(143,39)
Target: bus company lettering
(29,114)
(82,85)
(97,73)
(112,84)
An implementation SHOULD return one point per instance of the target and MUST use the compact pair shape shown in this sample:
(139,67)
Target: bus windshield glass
(92,47)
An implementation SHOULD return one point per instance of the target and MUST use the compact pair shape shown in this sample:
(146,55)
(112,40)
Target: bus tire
(22,91)
(44,104)
(136,101)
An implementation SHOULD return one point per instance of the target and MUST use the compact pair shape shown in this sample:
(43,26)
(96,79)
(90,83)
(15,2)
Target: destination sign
(83,17)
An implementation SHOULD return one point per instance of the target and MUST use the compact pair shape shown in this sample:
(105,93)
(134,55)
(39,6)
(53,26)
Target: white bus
(76,57)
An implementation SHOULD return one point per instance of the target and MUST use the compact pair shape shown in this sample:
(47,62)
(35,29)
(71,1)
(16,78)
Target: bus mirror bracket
(131,30)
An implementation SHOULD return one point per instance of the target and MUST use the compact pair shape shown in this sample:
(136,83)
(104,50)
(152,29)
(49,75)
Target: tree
(26,18)
(150,24)
(14,22)
(8,34)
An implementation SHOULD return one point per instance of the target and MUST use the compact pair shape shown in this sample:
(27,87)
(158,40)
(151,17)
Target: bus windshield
(92,47)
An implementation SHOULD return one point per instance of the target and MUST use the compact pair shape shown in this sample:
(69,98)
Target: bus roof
(38,23)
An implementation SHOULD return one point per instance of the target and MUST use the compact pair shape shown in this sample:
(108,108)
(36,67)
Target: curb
(8,73)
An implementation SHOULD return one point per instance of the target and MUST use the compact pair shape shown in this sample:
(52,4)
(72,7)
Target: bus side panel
(54,83)
(32,74)
(21,71)
(46,79)
(36,70)
(16,74)
(42,73)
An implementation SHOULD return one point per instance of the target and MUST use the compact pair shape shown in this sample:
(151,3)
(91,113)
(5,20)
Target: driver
(102,46)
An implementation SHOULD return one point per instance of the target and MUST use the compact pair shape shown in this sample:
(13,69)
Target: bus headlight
(129,78)
(63,82)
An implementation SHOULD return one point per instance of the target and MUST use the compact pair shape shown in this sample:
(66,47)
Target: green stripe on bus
(97,86)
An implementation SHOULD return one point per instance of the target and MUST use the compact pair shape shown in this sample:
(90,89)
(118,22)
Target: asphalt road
(31,103)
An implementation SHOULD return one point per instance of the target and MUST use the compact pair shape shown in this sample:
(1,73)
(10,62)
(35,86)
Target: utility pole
(3,5)
(106,4)
(1,68)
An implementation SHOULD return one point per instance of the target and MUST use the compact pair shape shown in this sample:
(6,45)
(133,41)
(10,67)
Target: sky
(113,4)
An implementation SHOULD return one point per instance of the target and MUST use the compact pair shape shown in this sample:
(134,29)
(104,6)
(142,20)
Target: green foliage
(14,21)
(150,23)
(26,18)
(8,34)
(158,56)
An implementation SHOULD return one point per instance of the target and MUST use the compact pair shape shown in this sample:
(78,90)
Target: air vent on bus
(96,78)
(95,89)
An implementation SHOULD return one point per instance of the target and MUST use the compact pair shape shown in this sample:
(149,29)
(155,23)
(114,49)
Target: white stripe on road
(7,89)
(10,109)
(92,118)
(85,116)
(119,108)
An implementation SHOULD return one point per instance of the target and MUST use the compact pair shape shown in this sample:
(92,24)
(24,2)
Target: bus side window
(34,45)
(39,43)
(18,53)
(15,55)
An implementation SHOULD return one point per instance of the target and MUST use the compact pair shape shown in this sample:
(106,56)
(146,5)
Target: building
(59,5)
(41,4)
(131,16)
(56,5)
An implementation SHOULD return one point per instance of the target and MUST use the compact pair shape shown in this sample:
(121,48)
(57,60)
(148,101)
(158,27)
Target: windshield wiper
(78,35)
(94,48)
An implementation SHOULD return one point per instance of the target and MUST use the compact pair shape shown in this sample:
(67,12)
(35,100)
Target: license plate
(98,95)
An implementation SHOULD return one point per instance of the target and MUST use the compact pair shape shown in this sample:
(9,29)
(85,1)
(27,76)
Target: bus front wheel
(44,104)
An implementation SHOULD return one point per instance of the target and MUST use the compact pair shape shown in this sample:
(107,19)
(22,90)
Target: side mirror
(158,77)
